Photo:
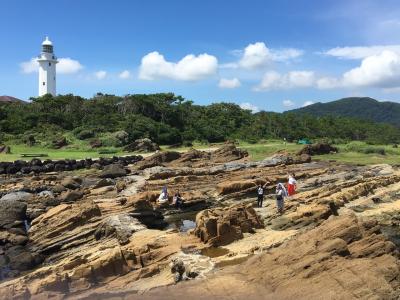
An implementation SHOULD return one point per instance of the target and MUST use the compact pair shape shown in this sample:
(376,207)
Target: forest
(170,119)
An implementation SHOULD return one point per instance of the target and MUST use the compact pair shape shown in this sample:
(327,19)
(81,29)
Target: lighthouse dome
(47,42)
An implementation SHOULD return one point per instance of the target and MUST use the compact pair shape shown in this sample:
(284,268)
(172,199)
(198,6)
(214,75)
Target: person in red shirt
(292,184)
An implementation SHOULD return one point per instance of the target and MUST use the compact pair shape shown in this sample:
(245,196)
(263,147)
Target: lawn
(67,153)
(354,152)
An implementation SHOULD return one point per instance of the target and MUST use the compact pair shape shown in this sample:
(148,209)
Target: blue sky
(271,55)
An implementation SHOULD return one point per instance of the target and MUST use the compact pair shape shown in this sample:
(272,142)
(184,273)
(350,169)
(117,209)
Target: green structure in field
(304,142)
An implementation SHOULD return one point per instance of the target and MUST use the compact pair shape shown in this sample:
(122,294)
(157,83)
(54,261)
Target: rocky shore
(96,230)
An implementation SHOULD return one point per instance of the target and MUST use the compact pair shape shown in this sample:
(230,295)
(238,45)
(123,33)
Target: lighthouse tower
(47,69)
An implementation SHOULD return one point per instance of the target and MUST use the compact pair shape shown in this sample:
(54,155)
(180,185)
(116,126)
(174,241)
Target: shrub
(85,134)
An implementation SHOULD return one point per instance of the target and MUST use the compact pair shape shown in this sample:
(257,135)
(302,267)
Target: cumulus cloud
(100,74)
(68,66)
(307,103)
(381,70)
(249,106)
(293,79)
(225,83)
(360,52)
(65,66)
(288,103)
(255,56)
(258,55)
(124,74)
(190,68)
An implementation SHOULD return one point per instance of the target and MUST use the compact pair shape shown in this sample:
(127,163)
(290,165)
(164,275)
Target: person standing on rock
(260,195)
(281,193)
(292,184)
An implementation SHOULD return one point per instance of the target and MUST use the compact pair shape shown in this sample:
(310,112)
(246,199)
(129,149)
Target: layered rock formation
(220,227)
(83,235)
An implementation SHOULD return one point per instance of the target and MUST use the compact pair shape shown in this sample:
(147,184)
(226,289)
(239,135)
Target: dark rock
(71,196)
(142,145)
(71,183)
(317,149)
(11,210)
(104,182)
(113,171)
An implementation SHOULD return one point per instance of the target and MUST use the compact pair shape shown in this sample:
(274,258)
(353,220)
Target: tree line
(170,119)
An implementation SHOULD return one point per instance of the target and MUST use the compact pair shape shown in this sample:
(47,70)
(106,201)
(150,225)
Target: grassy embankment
(354,152)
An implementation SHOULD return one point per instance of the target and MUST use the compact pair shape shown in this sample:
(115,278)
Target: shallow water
(183,222)
(214,252)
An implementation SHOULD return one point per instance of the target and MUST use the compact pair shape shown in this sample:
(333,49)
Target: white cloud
(258,55)
(125,74)
(249,106)
(293,79)
(285,54)
(68,66)
(360,52)
(225,83)
(255,56)
(189,68)
(307,103)
(381,70)
(29,66)
(288,103)
(328,83)
(65,66)
(100,74)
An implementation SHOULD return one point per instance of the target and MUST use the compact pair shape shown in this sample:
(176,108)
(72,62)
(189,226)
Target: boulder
(17,196)
(142,145)
(113,171)
(158,159)
(219,227)
(227,153)
(104,182)
(70,196)
(70,182)
(12,211)
(317,149)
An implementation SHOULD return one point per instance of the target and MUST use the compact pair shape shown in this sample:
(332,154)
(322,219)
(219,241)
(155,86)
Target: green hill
(356,107)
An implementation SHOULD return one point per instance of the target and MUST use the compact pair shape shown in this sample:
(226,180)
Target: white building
(47,69)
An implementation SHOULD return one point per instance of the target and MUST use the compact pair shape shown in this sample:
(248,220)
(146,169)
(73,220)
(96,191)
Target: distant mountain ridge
(10,99)
(356,107)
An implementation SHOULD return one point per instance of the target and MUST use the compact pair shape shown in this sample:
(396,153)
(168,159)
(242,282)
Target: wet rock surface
(76,235)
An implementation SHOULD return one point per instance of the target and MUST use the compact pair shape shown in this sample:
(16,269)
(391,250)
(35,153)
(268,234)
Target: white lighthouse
(47,69)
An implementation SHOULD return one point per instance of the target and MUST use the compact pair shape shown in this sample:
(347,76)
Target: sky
(262,55)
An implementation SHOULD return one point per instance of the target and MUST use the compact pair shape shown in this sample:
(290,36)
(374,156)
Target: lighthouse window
(44,83)
(49,64)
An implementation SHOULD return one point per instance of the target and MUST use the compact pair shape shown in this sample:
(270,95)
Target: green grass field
(354,152)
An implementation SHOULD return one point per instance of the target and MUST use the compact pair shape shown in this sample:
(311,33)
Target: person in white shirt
(163,196)
(260,195)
